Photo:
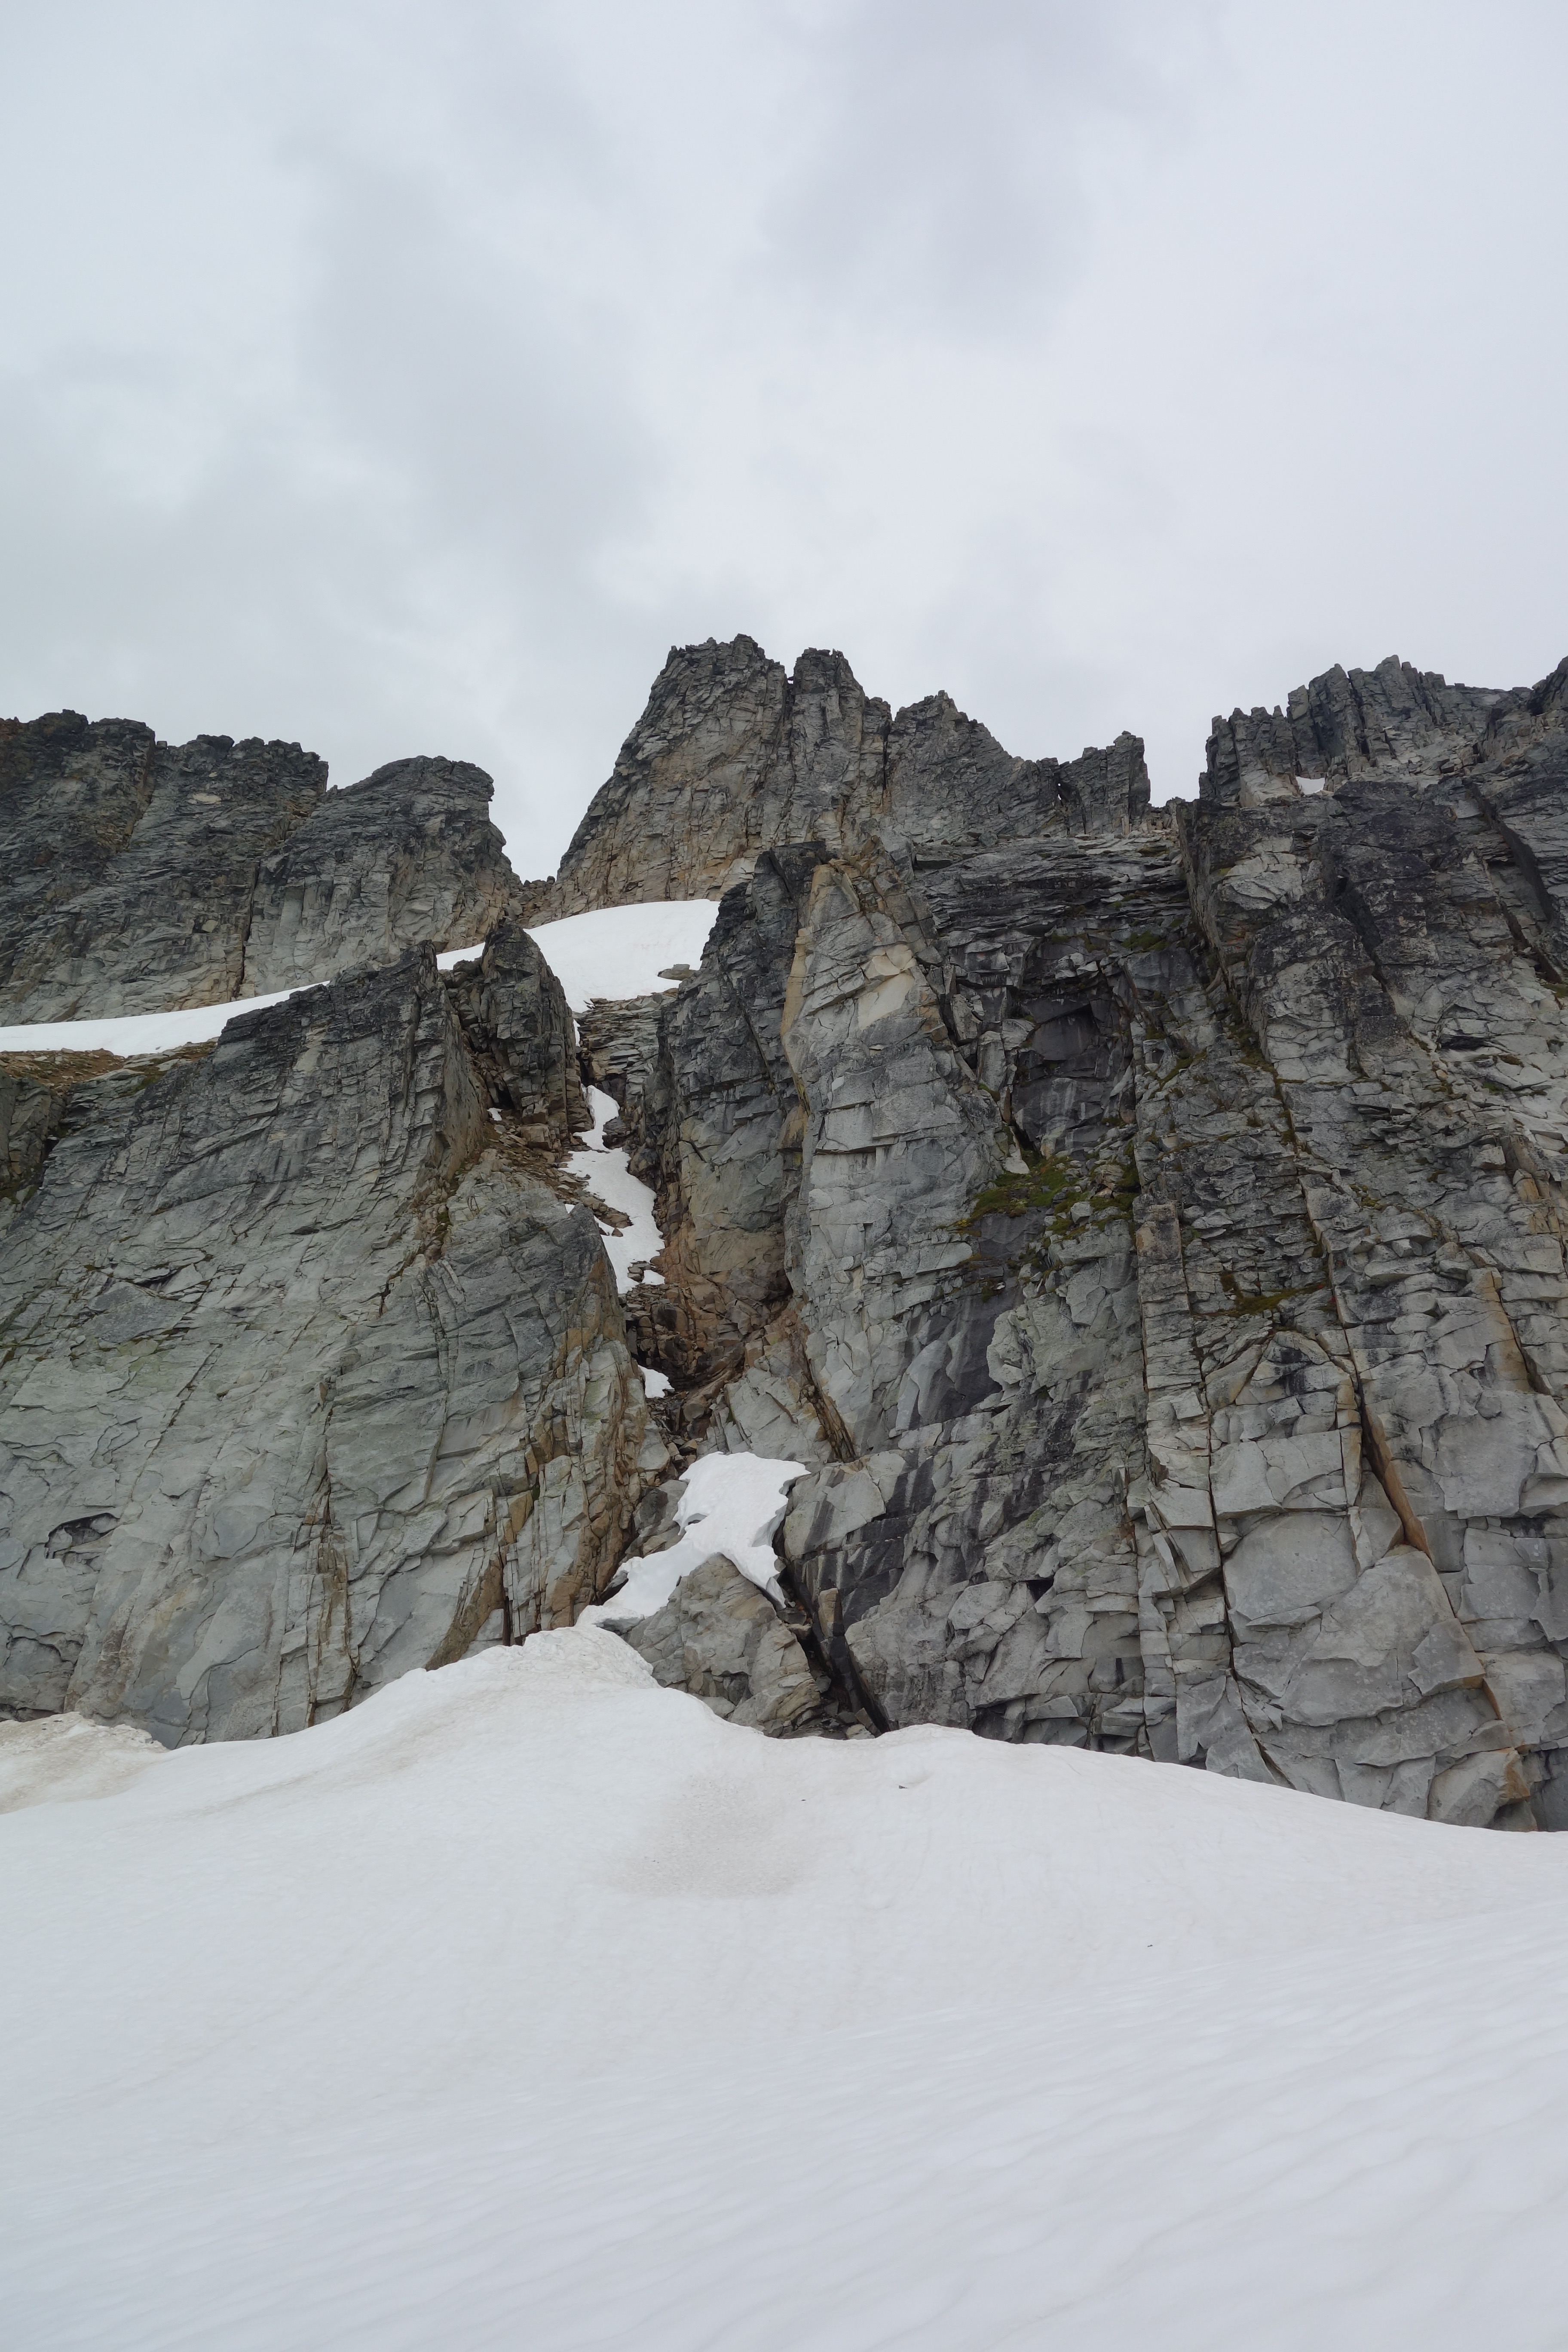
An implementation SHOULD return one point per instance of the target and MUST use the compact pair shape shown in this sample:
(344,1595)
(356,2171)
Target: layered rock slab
(307,1380)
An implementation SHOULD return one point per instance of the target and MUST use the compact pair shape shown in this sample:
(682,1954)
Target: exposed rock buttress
(141,876)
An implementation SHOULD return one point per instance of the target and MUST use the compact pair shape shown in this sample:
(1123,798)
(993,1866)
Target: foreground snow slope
(529,2005)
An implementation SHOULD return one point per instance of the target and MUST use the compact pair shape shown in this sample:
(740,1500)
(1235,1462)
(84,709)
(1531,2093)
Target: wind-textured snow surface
(531,2005)
(732,1503)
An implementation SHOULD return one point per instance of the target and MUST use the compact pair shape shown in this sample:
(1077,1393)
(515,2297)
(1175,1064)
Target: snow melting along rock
(728,1503)
(605,1172)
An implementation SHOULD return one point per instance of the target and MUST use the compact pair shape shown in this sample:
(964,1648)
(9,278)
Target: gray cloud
(402,378)
(943,175)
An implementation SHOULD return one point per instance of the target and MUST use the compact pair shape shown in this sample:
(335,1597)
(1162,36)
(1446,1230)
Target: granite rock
(153,910)
(1147,1226)
(141,876)
(723,1640)
(410,854)
(1153,1237)
(521,1037)
(308,1378)
(71,796)
(734,757)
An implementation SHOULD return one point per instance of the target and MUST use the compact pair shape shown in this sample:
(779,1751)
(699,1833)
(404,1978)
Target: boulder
(723,1640)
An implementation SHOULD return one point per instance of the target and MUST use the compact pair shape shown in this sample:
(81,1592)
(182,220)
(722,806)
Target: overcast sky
(409,377)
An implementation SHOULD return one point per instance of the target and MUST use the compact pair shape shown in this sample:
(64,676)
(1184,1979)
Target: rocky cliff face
(732,756)
(141,876)
(1155,1239)
(1148,1225)
(309,1376)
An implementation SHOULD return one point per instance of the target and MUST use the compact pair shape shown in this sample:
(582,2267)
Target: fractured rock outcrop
(720,1638)
(1155,1238)
(141,876)
(408,856)
(136,864)
(71,795)
(1147,1226)
(733,756)
(308,1379)
(519,1033)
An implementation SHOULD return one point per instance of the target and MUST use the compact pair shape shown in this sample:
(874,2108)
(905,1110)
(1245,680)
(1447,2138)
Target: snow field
(129,1033)
(619,951)
(532,2004)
